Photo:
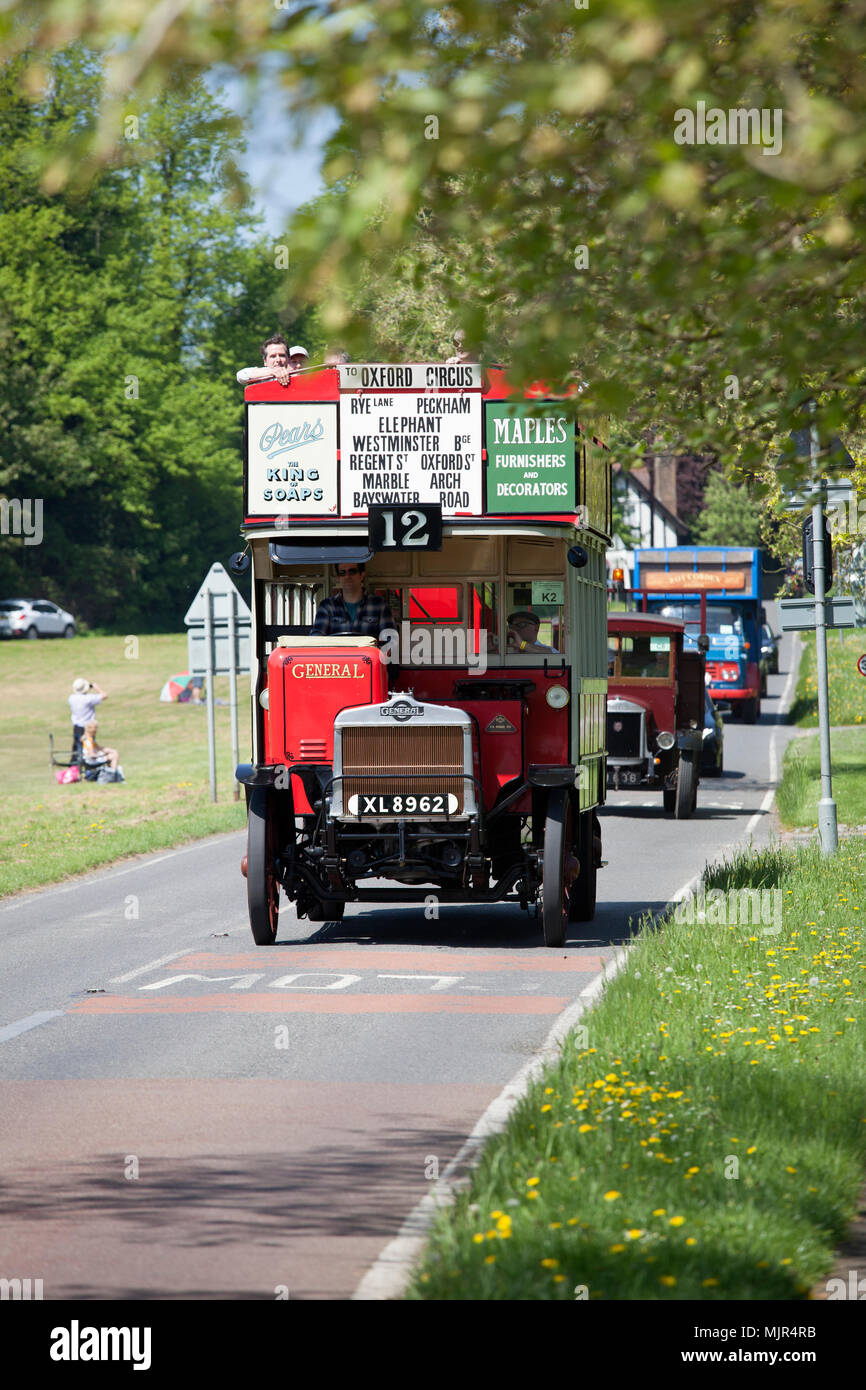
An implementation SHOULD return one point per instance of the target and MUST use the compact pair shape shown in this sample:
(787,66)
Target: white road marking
(24,1025)
(388,1276)
(770,794)
(441,981)
(143,862)
(241,981)
(152,965)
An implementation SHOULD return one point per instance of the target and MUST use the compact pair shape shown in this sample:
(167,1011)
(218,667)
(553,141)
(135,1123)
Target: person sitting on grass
(99,759)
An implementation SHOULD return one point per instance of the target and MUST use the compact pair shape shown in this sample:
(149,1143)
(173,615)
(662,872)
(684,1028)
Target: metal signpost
(218,644)
(820,613)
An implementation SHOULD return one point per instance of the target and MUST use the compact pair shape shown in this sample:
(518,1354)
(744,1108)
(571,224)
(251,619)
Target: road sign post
(827,828)
(218,644)
(209,674)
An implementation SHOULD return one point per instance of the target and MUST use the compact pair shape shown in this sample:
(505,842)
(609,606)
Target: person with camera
(82,704)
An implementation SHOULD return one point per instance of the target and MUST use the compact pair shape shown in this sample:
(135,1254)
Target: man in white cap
(82,704)
(280,363)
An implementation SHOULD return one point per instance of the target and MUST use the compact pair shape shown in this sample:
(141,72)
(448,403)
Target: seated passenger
(523,633)
(353,611)
(98,760)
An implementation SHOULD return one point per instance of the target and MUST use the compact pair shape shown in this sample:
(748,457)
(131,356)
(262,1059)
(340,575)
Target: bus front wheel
(263,884)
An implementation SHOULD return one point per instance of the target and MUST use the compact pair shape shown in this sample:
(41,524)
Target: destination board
(334,442)
(410,433)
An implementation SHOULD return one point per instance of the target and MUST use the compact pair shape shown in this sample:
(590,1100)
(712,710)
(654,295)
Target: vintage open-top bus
(455,746)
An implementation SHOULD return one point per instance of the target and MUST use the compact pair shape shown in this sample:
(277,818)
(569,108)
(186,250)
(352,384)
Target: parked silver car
(34,617)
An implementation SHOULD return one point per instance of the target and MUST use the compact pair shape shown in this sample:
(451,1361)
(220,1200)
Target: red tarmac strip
(286,1001)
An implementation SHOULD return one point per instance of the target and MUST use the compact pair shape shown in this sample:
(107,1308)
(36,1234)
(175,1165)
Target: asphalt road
(184,1115)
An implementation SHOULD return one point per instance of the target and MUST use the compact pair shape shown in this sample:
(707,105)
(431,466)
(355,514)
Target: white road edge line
(770,794)
(144,861)
(24,1025)
(388,1276)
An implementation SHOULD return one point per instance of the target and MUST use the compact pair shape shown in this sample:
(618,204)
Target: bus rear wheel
(560,867)
(263,884)
(582,892)
(687,788)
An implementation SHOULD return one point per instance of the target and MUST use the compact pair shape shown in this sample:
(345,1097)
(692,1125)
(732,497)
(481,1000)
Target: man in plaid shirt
(354,611)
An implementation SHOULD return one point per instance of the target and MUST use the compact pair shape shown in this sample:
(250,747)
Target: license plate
(628,779)
(403,804)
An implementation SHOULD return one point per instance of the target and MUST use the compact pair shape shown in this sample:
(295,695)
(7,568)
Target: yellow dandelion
(611,1196)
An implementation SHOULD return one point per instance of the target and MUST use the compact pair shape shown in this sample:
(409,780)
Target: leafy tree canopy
(704,289)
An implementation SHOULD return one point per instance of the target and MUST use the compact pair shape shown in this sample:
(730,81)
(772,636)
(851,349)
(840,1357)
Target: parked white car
(34,617)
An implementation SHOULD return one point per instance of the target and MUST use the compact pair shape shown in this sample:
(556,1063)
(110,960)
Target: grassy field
(846,686)
(704,1136)
(800,787)
(48,832)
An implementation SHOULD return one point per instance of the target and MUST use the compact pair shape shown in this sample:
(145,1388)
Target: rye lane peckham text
(411,447)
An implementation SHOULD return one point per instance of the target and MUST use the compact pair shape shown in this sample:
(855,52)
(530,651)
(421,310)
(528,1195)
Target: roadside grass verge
(702,1135)
(49,832)
(847,688)
(800,788)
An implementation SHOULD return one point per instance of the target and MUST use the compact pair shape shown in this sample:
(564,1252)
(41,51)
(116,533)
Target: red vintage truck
(655,709)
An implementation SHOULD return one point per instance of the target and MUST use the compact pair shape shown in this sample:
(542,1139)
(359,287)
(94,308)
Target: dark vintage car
(655,709)
(770,648)
(712,756)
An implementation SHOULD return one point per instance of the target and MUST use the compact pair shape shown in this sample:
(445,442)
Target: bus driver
(353,611)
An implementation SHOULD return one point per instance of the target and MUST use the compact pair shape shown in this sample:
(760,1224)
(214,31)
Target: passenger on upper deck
(280,363)
(354,611)
(461,354)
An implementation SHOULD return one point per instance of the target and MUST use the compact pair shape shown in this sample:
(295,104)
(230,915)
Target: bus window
(644,658)
(439,605)
(484,617)
(533,622)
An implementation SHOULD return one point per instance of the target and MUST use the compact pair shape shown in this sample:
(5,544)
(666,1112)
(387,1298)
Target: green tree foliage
(701,289)
(729,516)
(124,313)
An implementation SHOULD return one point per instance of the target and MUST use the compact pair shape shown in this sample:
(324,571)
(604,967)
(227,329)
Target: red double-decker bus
(442,735)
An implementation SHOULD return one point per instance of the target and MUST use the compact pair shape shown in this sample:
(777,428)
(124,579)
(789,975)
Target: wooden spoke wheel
(560,867)
(263,884)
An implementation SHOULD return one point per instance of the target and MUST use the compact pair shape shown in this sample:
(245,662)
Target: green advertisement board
(530,458)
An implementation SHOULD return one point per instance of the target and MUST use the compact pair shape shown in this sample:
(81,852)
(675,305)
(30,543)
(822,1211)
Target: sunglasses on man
(342,574)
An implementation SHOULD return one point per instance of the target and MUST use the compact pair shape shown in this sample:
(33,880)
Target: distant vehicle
(655,704)
(712,755)
(34,617)
(770,648)
(673,581)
